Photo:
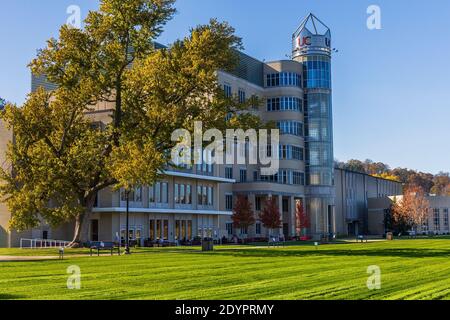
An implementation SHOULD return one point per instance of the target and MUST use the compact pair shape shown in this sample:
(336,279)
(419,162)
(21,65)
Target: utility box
(207,245)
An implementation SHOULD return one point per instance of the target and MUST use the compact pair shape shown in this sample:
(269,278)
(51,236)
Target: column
(280,208)
(293,216)
(252,199)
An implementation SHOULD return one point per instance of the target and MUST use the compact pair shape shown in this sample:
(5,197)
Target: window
(182,194)
(199,195)
(317,72)
(205,196)
(166,230)
(227,90)
(242,97)
(284,177)
(258,203)
(135,195)
(210,196)
(437,220)
(243,175)
(258,228)
(244,230)
(229,172)
(229,202)
(297,153)
(229,227)
(176,193)
(255,175)
(298,178)
(291,127)
(288,152)
(283,79)
(446,218)
(159,193)
(285,104)
(164,192)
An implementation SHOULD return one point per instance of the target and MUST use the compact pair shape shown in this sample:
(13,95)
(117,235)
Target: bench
(361,238)
(102,246)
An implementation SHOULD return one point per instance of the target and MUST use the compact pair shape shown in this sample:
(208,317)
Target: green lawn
(411,269)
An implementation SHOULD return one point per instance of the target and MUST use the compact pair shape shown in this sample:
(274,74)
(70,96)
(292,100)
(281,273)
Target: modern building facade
(438,214)
(198,201)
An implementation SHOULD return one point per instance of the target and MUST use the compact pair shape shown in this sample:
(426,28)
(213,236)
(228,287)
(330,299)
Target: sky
(391,87)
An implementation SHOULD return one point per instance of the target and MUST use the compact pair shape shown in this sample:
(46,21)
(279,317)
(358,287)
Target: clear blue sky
(391,86)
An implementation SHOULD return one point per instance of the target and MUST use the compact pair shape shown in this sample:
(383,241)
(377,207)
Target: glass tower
(312,47)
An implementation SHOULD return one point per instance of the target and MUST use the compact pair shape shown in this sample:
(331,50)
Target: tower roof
(314,25)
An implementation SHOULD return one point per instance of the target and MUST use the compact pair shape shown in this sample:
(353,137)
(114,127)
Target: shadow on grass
(279,252)
(6,296)
(400,253)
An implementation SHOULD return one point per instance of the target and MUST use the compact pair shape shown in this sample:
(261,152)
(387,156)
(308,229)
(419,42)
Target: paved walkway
(26,258)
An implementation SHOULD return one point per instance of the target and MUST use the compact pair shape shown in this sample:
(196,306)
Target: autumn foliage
(270,215)
(243,215)
(412,209)
(302,219)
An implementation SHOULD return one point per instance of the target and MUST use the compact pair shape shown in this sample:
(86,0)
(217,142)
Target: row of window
(285,176)
(288,152)
(229,92)
(291,127)
(285,104)
(159,194)
(437,218)
(283,79)
(243,231)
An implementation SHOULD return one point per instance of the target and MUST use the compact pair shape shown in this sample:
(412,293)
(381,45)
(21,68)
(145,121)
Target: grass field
(411,269)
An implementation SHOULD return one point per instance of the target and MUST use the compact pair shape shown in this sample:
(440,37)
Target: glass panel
(189,231)
(152,230)
(166,229)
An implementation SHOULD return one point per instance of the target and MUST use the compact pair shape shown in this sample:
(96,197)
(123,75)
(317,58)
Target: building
(354,191)
(198,201)
(437,222)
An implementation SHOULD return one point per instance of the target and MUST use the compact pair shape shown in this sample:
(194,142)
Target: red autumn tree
(270,215)
(302,220)
(412,209)
(243,215)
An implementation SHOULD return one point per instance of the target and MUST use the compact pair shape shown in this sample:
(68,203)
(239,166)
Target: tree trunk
(77,232)
(82,224)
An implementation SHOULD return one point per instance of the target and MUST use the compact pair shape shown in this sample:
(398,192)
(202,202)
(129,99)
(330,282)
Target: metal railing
(42,243)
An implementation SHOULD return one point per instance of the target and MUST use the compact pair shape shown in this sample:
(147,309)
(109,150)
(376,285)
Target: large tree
(303,222)
(61,160)
(412,209)
(270,215)
(243,215)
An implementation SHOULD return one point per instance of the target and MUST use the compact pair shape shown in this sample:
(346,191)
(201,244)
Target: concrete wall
(353,190)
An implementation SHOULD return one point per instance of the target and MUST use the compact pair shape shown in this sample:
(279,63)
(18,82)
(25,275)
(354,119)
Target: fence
(42,243)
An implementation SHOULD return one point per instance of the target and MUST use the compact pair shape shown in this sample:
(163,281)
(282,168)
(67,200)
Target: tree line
(438,184)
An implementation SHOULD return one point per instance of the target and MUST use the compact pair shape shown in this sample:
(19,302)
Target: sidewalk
(26,258)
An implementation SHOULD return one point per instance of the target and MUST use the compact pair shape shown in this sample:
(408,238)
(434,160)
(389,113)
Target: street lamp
(127,235)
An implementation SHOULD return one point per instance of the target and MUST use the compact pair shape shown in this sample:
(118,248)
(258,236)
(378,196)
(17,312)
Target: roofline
(366,174)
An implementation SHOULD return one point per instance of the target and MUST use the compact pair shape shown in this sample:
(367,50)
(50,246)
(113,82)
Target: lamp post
(127,235)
